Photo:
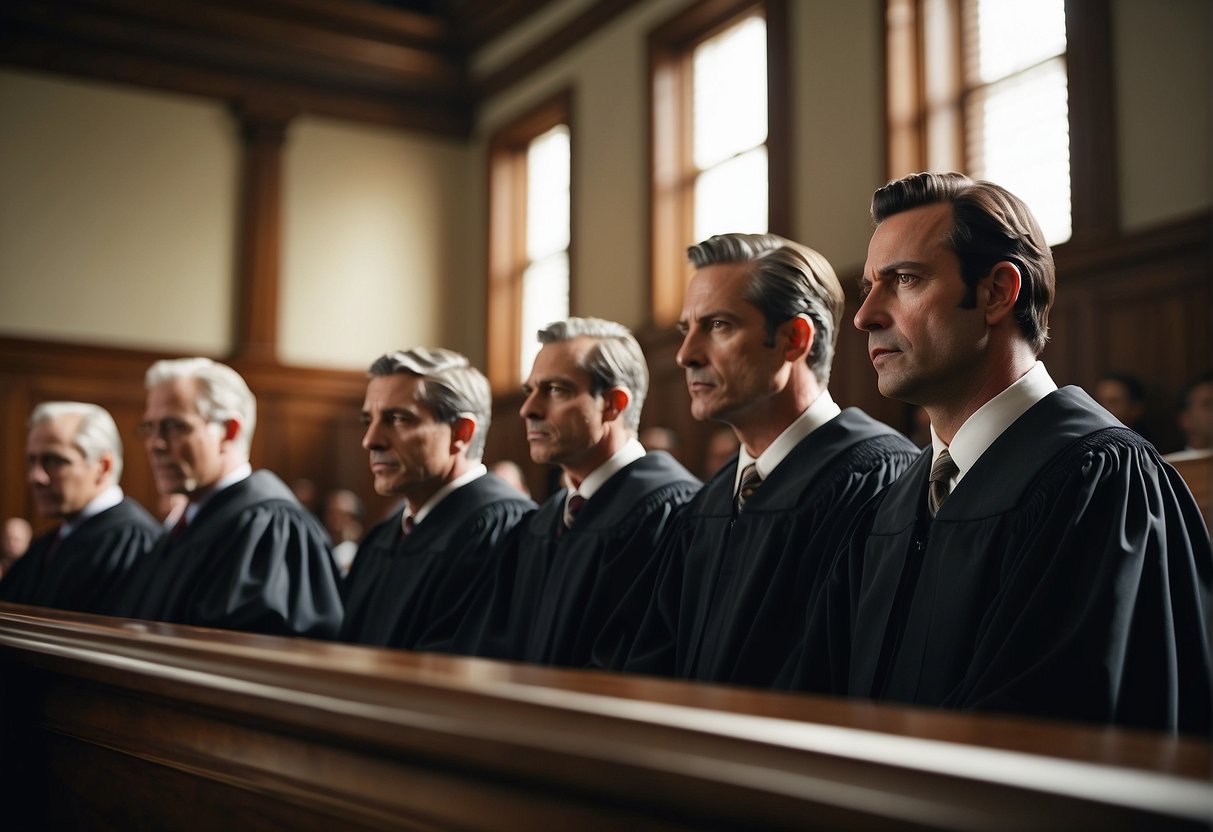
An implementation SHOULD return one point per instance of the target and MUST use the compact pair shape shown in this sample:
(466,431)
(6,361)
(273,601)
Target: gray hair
(615,360)
(95,435)
(450,386)
(222,393)
(786,279)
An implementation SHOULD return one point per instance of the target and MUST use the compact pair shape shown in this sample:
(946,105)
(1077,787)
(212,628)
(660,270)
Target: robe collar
(822,410)
(240,474)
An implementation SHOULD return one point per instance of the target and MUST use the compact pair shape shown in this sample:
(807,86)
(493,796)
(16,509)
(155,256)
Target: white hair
(95,435)
(222,393)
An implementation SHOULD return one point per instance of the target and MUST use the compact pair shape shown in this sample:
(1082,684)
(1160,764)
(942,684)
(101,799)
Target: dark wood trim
(151,725)
(552,46)
(1084,260)
(1090,68)
(372,64)
(507,175)
(780,136)
(263,126)
(669,135)
(479,21)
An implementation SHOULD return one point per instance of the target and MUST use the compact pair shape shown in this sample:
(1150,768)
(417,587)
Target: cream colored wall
(838,129)
(1164,83)
(116,213)
(118,222)
(367,242)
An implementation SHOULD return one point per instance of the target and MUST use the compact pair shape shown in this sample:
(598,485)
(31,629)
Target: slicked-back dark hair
(786,279)
(989,224)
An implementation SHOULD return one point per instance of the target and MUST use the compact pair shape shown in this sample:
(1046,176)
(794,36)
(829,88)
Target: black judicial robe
(253,559)
(87,565)
(411,591)
(730,600)
(553,593)
(1068,575)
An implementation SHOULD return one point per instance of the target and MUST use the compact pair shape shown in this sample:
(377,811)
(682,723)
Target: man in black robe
(245,555)
(74,462)
(569,573)
(743,560)
(427,415)
(1038,558)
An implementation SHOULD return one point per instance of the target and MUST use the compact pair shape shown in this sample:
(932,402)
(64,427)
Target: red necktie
(570,512)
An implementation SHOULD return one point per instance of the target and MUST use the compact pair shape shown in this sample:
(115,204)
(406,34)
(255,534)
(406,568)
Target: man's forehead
(719,284)
(57,432)
(395,390)
(913,234)
(562,360)
(180,395)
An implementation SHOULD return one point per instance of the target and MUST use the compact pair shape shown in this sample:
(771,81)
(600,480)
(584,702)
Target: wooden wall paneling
(15,500)
(307,418)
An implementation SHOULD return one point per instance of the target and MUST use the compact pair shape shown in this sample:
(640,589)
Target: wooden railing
(116,724)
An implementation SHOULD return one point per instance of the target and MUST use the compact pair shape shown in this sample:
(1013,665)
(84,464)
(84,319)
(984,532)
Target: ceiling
(400,62)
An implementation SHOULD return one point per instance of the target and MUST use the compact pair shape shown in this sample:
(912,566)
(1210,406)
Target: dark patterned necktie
(941,481)
(750,480)
(571,508)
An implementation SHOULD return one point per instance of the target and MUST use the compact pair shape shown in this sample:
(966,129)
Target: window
(982,86)
(719,143)
(530,236)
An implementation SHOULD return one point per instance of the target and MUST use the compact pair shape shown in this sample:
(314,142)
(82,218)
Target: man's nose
(689,354)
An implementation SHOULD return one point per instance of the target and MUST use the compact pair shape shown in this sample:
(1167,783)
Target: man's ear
(615,401)
(106,465)
(1002,290)
(231,429)
(799,332)
(461,433)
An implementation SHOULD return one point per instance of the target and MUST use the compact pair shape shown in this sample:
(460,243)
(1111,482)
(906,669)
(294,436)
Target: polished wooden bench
(115,724)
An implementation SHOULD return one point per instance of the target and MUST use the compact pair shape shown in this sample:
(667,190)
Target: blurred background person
(343,516)
(74,464)
(1124,396)
(17,535)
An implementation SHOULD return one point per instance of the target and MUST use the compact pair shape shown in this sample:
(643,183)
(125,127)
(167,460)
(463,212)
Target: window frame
(507,218)
(910,97)
(671,164)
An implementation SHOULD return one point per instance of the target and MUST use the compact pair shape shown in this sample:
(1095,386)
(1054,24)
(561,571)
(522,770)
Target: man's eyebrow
(912,265)
(718,315)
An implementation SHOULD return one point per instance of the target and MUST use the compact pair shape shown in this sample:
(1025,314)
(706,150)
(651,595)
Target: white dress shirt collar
(990,420)
(239,474)
(107,499)
(474,473)
(822,410)
(621,459)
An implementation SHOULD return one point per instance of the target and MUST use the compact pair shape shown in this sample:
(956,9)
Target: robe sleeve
(280,579)
(1105,613)
(636,566)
